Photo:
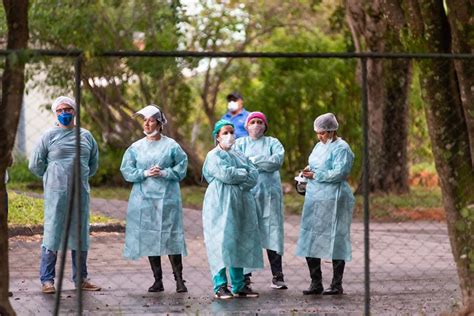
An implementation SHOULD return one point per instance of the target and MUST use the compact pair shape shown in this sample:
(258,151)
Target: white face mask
(154,133)
(256,130)
(227,141)
(327,142)
(233,106)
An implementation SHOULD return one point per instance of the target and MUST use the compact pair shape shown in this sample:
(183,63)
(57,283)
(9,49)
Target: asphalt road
(412,272)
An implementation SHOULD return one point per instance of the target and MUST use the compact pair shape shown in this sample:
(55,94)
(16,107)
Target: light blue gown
(267,154)
(154,215)
(230,221)
(53,160)
(327,211)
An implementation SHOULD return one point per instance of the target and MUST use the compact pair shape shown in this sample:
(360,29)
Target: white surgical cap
(326,123)
(63,100)
(153,111)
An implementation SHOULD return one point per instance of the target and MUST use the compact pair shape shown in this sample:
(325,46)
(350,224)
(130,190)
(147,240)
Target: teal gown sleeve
(178,171)
(38,160)
(94,158)
(129,168)
(273,162)
(228,174)
(341,167)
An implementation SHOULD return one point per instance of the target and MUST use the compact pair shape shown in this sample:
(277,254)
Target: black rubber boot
(155,263)
(177,266)
(316,287)
(336,284)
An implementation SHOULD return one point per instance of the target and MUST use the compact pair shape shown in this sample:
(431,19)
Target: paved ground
(412,272)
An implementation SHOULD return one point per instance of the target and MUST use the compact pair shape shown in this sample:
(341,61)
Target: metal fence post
(365,186)
(78,184)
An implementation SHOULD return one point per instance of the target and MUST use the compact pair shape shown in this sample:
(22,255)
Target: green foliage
(109,173)
(419,148)
(19,172)
(424,166)
(25,210)
(113,88)
(293,92)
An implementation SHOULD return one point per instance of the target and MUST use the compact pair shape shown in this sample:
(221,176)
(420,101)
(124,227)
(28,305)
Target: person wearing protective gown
(229,214)
(53,160)
(267,154)
(327,210)
(155,165)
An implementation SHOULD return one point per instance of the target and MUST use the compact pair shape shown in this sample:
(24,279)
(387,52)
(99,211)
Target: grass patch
(192,196)
(35,187)
(422,203)
(293,203)
(25,210)
(19,172)
(111,193)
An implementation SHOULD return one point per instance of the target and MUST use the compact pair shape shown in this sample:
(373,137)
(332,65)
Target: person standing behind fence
(229,215)
(267,154)
(236,114)
(155,165)
(327,210)
(53,160)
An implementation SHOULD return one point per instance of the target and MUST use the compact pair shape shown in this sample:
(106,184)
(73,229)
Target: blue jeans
(48,265)
(236,277)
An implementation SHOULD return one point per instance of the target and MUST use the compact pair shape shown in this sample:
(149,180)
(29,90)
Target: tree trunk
(12,97)
(449,128)
(462,30)
(388,84)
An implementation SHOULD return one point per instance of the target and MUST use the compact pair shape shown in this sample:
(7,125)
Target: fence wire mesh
(412,269)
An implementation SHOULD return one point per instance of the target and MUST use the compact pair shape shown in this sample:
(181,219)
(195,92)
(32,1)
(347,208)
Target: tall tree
(114,88)
(375,29)
(13,84)
(446,27)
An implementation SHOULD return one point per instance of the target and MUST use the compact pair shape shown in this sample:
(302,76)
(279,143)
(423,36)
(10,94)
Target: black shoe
(278,282)
(223,293)
(180,287)
(246,292)
(157,287)
(334,290)
(315,288)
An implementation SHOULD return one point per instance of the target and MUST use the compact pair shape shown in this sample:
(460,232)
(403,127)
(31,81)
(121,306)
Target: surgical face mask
(154,133)
(256,130)
(65,118)
(328,141)
(226,141)
(233,106)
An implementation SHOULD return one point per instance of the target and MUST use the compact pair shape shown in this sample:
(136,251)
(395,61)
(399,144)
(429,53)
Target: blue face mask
(65,118)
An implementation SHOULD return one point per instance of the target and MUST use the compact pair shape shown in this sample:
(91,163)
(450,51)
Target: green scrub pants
(236,278)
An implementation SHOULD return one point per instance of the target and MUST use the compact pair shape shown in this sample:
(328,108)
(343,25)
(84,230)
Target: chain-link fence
(401,255)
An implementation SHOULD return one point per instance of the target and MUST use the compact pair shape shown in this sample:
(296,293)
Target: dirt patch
(431,214)
(424,179)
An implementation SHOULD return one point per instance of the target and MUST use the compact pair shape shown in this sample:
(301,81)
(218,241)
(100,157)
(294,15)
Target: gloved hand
(162,173)
(152,172)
